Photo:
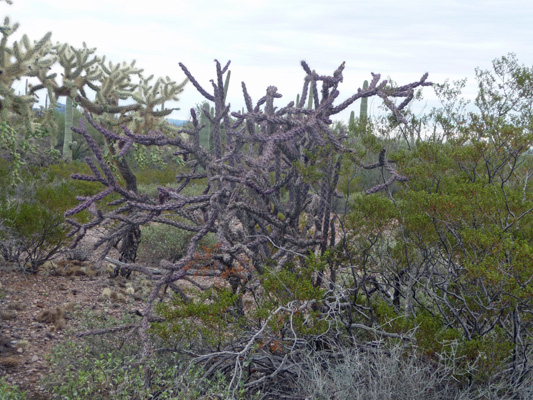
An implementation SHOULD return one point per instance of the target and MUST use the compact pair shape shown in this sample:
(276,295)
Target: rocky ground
(38,311)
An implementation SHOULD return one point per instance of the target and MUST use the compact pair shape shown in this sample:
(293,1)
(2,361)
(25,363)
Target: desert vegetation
(283,253)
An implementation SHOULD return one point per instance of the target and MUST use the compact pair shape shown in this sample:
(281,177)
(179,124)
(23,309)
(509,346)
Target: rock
(35,358)
(5,345)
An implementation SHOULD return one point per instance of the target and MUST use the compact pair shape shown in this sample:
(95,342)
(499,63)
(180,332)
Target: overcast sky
(267,39)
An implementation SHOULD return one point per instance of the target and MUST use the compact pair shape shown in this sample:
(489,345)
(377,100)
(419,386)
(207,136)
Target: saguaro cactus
(360,124)
(310,99)
(67,139)
(363,113)
(206,139)
(207,114)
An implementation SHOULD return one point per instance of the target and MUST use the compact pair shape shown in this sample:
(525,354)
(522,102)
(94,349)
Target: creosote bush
(32,226)
(30,234)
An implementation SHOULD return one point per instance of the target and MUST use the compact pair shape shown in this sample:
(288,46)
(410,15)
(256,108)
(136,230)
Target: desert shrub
(448,252)
(165,242)
(372,373)
(394,371)
(32,226)
(208,316)
(105,366)
(30,233)
(162,175)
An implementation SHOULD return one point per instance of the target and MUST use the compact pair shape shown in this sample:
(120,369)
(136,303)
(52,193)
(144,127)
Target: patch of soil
(37,312)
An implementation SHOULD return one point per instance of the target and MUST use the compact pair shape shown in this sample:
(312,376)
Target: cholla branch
(195,83)
(385,163)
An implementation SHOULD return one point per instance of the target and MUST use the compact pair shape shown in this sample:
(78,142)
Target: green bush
(207,315)
(160,241)
(32,228)
(160,176)
(30,233)
(105,367)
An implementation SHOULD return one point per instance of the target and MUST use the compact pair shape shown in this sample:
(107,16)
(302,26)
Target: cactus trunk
(363,112)
(67,139)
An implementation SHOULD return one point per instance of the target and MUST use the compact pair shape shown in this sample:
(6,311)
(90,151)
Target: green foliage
(210,315)
(32,228)
(103,367)
(452,250)
(294,283)
(159,176)
(31,233)
(8,392)
(295,287)
(98,377)
(165,242)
